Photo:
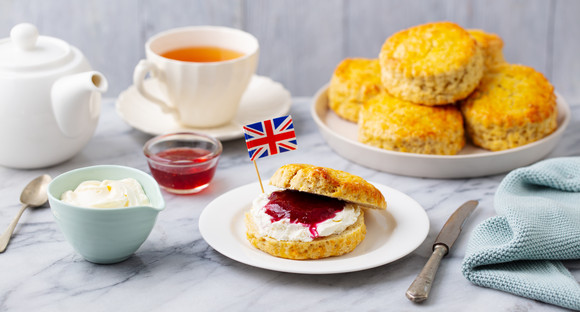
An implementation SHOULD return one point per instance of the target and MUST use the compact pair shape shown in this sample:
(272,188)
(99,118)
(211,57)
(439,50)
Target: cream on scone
(317,213)
(277,223)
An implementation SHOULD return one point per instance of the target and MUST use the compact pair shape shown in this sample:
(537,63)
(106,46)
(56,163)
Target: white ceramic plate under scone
(471,161)
(263,99)
(391,234)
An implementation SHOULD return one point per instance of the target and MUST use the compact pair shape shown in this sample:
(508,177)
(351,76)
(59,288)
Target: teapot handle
(143,68)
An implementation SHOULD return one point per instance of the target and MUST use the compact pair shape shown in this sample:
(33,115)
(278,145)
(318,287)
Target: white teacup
(200,94)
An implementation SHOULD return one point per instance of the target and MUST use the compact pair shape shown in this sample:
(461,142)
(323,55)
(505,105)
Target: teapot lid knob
(24,36)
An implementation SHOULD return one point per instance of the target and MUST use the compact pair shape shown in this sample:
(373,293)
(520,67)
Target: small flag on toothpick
(270,137)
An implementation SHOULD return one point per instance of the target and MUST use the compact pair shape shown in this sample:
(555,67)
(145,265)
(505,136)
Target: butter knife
(419,289)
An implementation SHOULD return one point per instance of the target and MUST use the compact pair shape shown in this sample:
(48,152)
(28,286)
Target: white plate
(472,161)
(391,234)
(263,99)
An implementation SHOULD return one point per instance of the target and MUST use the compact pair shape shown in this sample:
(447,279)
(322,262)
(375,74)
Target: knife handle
(419,289)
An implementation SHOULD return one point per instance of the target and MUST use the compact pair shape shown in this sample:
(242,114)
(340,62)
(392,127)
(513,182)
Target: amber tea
(201,54)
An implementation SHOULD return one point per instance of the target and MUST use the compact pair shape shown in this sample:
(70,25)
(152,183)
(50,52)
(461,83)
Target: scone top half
(329,182)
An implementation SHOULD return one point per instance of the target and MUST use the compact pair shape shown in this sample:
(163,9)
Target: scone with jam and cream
(317,213)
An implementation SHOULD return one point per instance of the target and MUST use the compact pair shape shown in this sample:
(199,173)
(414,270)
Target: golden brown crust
(514,105)
(328,182)
(322,247)
(492,46)
(432,64)
(354,81)
(394,124)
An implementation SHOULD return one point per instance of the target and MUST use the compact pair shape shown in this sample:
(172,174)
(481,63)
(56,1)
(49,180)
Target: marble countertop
(175,269)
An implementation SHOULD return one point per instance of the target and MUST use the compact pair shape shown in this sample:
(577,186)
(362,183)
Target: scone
(317,213)
(431,64)
(514,105)
(492,46)
(398,125)
(354,81)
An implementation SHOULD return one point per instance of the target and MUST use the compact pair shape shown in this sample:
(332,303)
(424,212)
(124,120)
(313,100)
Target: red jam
(188,170)
(300,207)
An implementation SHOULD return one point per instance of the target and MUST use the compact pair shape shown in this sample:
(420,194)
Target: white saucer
(263,99)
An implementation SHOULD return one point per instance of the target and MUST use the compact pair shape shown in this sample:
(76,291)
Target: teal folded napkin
(538,224)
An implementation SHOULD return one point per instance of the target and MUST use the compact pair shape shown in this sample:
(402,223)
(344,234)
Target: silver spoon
(33,195)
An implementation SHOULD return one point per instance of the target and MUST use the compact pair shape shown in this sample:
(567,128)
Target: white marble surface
(176,270)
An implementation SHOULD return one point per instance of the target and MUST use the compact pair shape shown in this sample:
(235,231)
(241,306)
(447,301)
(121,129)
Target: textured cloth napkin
(538,224)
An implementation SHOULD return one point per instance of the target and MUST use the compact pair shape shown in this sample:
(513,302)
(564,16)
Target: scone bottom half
(323,247)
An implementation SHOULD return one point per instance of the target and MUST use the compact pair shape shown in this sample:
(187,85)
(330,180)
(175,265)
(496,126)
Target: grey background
(303,40)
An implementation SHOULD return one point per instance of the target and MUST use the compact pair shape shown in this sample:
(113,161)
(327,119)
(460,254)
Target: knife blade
(421,286)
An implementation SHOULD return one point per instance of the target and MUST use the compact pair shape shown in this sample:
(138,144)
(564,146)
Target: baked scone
(312,217)
(431,64)
(398,125)
(492,46)
(354,81)
(514,105)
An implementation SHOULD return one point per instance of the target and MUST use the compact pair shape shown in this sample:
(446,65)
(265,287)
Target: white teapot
(49,99)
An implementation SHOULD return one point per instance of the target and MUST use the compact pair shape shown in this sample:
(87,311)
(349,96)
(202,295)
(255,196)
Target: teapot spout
(76,101)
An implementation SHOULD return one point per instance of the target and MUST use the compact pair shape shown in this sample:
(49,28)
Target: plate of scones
(440,101)
(314,220)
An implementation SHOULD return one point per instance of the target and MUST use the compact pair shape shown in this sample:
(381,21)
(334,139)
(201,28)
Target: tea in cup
(202,71)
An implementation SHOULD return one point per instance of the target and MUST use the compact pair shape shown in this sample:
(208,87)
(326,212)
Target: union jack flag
(270,137)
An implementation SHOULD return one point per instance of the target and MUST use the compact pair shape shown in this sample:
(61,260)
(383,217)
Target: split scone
(431,64)
(317,213)
(492,46)
(514,105)
(354,81)
(398,125)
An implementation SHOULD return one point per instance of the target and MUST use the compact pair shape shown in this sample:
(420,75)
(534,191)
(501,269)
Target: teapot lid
(26,50)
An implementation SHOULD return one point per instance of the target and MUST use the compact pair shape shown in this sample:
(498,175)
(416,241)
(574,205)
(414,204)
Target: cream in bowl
(107,194)
(105,212)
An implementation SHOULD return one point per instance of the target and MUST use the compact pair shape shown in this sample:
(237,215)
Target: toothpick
(259,179)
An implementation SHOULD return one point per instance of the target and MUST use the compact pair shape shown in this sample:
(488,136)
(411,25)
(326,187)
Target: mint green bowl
(104,235)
